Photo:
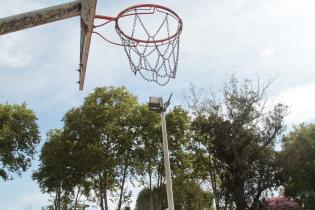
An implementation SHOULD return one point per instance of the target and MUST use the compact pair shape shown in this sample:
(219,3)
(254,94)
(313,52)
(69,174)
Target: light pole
(156,104)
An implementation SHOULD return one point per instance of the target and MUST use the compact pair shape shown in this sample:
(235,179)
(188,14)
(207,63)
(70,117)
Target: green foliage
(178,128)
(149,144)
(298,163)
(93,151)
(234,143)
(104,130)
(54,156)
(111,139)
(188,195)
(143,199)
(59,172)
(19,136)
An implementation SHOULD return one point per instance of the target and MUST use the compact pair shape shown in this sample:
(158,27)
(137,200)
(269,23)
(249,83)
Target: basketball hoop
(150,36)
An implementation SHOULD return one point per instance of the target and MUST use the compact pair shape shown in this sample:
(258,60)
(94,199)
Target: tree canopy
(222,152)
(234,143)
(298,164)
(19,137)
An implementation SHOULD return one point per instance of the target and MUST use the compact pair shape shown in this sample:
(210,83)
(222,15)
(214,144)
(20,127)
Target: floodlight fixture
(156,104)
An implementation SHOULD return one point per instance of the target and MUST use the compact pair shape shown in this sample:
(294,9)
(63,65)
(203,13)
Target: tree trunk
(239,196)
(157,200)
(57,203)
(256,198)
(123,184)
(76,198)
(65,203)
(228,203)
(225,204)
(105,198)
(214,189)
(215,193)
(151,193)
(101,193)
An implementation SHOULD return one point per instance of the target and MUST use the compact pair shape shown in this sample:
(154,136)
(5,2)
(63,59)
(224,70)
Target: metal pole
(39,17)
(167,167)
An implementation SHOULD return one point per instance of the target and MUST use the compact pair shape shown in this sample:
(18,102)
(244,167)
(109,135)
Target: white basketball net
(154,60)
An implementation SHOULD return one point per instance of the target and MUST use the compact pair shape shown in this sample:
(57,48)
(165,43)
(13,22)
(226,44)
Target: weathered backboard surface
(88,8)
(84,8)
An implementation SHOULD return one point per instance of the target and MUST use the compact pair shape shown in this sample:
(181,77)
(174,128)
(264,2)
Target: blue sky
(251,38)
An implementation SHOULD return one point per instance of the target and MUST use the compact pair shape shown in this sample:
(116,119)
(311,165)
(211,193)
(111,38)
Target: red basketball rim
(124,13)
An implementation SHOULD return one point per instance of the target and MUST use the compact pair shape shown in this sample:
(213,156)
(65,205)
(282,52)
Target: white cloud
(301,102)
(267,52)
(19,49)
(14,52)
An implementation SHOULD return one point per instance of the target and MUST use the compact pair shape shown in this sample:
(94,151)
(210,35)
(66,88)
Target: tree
(60,171)
(51,172)
(19,137)
(238,136)
(103,129)
(178,128)
(298,164)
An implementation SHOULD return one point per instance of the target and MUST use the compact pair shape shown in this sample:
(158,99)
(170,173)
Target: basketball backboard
(83,8)
(88,8)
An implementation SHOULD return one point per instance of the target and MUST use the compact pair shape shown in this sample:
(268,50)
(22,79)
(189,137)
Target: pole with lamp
(156,104)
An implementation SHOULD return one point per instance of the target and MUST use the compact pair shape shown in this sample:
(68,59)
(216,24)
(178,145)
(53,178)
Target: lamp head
(156,104)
